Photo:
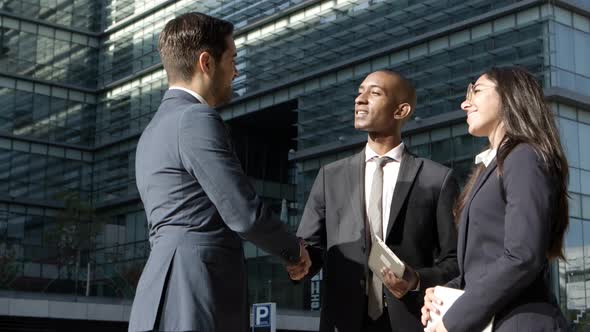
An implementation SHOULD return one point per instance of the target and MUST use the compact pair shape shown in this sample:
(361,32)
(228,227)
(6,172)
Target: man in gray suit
(198,201)
(383,191)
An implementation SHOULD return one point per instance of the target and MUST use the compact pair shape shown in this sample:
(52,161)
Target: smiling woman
(514,205)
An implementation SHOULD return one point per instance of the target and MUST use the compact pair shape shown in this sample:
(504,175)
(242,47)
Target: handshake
(300,269)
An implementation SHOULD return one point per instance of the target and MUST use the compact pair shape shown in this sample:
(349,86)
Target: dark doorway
(262,141)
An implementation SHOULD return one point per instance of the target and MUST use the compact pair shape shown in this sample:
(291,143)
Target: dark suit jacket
(421,232)
(199,204)
(504,235)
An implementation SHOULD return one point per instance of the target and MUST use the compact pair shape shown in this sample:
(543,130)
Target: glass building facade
(80,79)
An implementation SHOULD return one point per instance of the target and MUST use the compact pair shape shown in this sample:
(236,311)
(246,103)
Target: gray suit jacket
(421,232)
(199,206)
(504,235)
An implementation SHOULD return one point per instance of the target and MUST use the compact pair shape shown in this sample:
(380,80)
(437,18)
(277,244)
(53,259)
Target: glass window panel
(5,143)
(563,15)
(568,130)
(16,227)
(440,133)
(32,270)
(49,271)
(585,207)
(564,39)
(566,79)
(442,151)
(581,52)
(33,230)
(584,132)
(574,180)
(20,145)
(582,83)
(422,150)
(581,22)
(568,112)
(574,242)
(585,182)
(575,205)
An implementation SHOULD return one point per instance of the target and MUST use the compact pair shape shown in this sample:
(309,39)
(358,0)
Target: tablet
(381,256)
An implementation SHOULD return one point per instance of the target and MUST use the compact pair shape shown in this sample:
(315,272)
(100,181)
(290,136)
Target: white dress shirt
(390,172)
(194,94)
(486,157)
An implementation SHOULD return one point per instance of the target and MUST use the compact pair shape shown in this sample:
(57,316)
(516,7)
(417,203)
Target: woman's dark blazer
(504,235)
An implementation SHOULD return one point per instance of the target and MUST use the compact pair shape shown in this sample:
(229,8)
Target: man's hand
(300,269)
(400,286)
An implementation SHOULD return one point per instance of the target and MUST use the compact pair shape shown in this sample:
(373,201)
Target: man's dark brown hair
(184,39)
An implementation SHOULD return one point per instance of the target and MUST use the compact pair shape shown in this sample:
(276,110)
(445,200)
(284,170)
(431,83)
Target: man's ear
(403,111)
(206,63)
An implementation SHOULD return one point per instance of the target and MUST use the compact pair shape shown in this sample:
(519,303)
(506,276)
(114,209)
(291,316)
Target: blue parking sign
(264,317)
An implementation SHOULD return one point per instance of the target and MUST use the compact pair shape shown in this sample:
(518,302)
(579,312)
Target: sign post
(264,317)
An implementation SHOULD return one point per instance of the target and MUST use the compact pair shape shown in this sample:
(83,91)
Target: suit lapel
(464,219)
(405,179)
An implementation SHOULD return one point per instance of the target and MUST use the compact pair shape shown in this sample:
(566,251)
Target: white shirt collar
(486,157)
(194,94)
(395,153)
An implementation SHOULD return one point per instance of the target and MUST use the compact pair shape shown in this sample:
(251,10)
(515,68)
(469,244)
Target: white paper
(449,296)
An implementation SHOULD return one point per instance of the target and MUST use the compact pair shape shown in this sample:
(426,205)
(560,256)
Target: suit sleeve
(206,154)
(445,264)
(527,228)
(312,227)
(454,283)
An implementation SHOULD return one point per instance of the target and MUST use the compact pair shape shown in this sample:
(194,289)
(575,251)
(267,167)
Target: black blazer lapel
(405,179)
(464,219)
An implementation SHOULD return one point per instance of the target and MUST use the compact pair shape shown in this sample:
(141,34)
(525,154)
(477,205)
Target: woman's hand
(430,305)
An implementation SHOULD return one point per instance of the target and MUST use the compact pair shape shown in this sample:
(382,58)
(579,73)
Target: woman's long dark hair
(528,119)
